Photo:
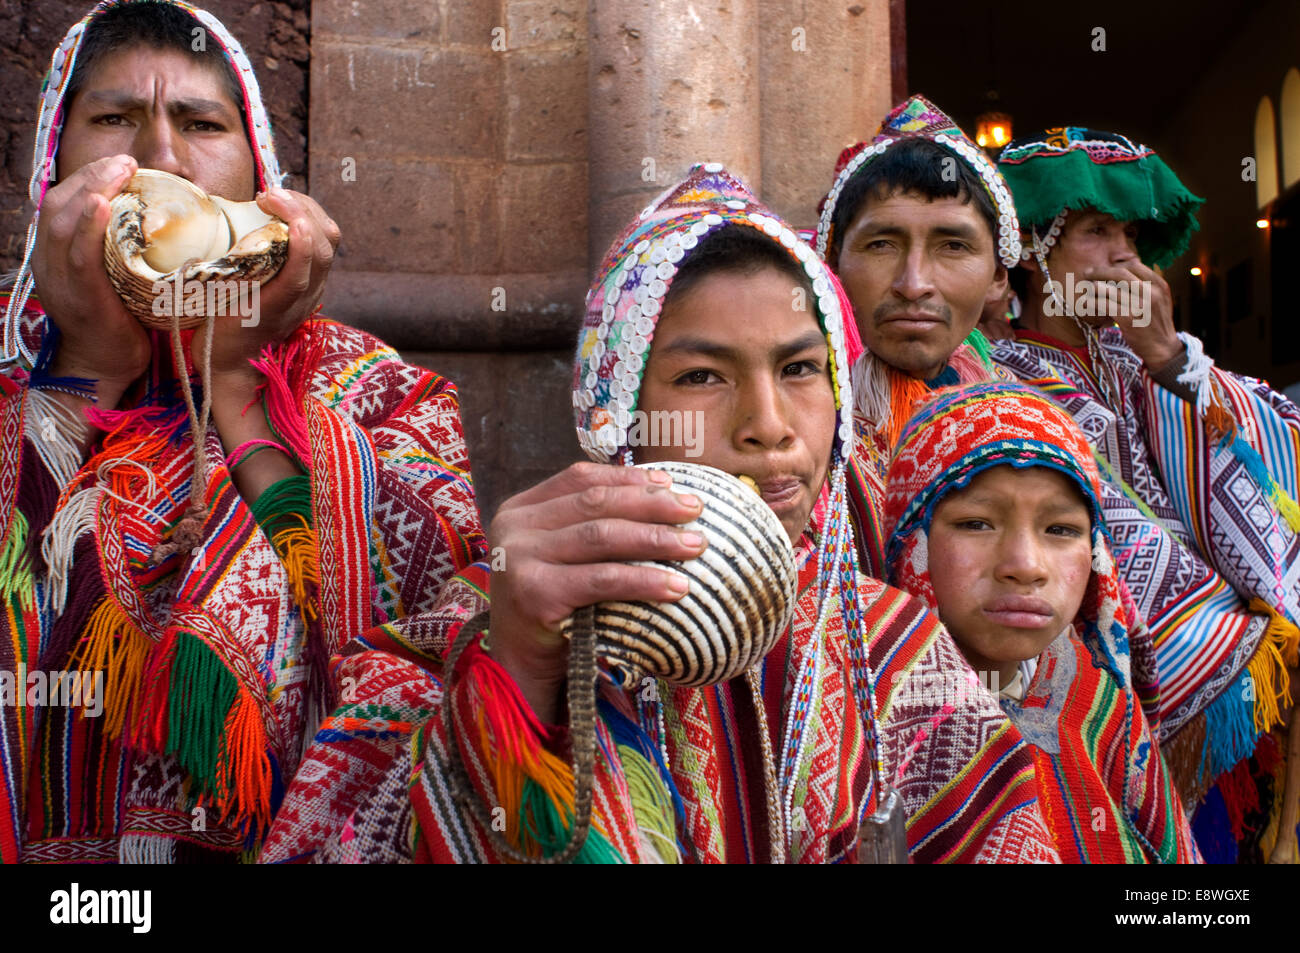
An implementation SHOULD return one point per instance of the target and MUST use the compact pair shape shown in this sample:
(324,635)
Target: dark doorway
(1284,252)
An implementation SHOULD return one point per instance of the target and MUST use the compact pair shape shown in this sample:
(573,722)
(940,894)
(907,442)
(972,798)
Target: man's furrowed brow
(957,230)
(887,227)
(193,105)
(124,101)
(805,342)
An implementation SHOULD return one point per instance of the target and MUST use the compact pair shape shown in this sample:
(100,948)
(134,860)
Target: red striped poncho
(1206,543)
(214,661)
(964,774)
(1103,787)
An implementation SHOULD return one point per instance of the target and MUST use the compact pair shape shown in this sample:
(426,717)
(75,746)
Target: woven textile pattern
(965,777)
(1194,536)
(97,787)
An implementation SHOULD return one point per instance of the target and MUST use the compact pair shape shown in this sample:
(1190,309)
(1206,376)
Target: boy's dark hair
(738,249)
(158,26)
(916,165)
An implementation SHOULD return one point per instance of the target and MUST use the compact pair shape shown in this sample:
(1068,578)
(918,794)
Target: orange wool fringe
(297,549)
(113,645)
(1219,422)
(905,393)
(244,772)
(1279,648)
(137,681)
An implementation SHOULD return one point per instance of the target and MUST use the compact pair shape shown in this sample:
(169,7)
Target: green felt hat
(1071,168)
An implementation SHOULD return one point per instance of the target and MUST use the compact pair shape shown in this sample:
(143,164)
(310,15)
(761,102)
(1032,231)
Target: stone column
(825,76)
(448,141)
(669,84)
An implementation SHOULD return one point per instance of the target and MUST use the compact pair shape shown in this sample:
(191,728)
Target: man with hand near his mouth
(995,523)
(1201,464)
(209,571)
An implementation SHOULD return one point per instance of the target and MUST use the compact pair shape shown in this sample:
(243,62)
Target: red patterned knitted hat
(961,432)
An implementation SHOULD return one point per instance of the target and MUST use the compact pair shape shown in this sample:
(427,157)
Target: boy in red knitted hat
(994,521)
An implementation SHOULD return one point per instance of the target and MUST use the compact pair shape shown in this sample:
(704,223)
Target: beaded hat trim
(918,118)
(627,297)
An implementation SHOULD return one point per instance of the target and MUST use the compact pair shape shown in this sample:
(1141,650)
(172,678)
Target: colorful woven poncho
(885,396)
(680,772)
(214,662)
(1105,789)
(1199,484)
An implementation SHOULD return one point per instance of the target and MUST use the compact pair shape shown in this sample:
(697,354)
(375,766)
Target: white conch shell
(741,598)
(162,227)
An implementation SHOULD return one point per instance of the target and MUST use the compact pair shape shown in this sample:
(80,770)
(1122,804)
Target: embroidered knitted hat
(959,433)
(49,126)
(627,297)
(1069,167)
(918,118)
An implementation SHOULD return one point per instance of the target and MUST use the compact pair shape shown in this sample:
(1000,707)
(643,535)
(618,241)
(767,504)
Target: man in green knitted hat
(1201,464)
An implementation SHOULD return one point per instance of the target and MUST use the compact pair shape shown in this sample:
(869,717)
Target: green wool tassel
(539,820)
(16,578)
(285,504)
(651,803)
(981,346)
(199,698)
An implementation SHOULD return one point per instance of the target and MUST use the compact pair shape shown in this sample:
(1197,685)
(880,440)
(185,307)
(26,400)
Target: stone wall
(449,141)
(479,156)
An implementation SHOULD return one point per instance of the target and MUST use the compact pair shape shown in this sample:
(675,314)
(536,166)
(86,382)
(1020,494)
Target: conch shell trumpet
(741,596)
(165,231)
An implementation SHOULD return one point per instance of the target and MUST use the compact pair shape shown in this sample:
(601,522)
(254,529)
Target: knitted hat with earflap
(1070,168)
(959,433)
(884,394)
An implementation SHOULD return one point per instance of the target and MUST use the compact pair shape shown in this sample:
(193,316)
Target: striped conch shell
(163,228)
(741,597)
